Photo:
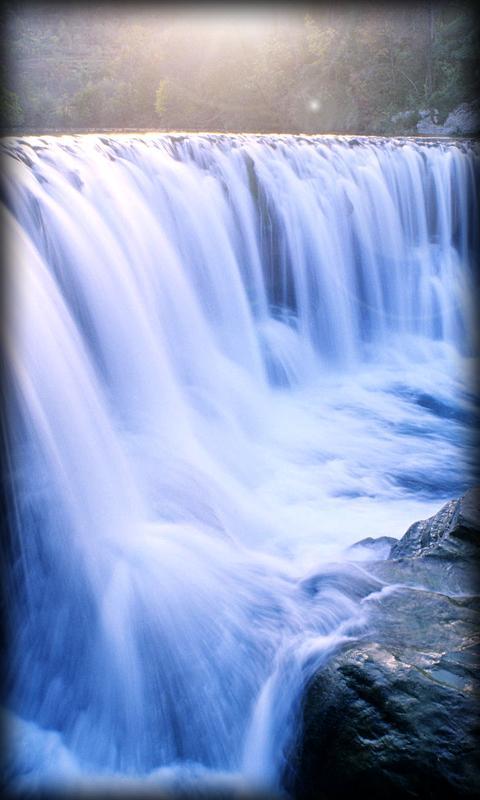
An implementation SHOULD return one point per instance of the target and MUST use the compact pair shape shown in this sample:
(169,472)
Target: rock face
(462,121)
(395,714)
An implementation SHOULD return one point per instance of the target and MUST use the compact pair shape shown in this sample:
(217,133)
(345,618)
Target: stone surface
(395,714)
(452,532)
(462,121)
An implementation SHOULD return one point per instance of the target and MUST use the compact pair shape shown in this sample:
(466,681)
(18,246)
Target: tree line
(357,68)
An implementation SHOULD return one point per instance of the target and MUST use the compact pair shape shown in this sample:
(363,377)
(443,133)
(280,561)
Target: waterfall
(229,358)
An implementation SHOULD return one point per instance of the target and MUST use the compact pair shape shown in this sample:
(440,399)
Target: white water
(231,358)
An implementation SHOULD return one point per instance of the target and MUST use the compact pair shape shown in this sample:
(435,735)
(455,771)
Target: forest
(356,68)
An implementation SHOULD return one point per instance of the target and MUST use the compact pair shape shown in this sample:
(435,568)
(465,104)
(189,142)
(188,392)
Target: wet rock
(452,532)
(396,714)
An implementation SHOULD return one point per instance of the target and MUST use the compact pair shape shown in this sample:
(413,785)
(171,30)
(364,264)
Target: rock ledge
(395,715)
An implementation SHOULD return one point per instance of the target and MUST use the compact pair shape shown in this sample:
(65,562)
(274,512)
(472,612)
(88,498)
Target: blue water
(231,357)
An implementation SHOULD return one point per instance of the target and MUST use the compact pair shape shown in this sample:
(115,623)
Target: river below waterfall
(230,358)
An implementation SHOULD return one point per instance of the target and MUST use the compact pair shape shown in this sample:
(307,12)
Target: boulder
(428,122)
(462,121)
(452,532)
(394,714)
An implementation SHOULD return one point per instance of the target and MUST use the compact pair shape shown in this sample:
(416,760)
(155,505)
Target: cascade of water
(229,359)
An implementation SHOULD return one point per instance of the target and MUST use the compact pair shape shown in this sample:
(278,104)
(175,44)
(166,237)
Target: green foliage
(456,50)
(359,68)
(11,112)
(85,103)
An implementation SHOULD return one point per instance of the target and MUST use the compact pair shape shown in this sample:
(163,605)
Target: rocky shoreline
(395,714)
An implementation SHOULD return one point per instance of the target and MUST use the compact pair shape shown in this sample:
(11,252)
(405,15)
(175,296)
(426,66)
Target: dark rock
(452,532)
(440,553)
(395,715)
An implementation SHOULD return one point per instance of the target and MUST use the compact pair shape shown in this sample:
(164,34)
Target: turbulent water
(230,357)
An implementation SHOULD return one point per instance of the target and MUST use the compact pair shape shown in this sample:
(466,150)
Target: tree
(11,112)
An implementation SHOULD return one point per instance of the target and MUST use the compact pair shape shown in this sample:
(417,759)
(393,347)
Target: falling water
(230,357)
